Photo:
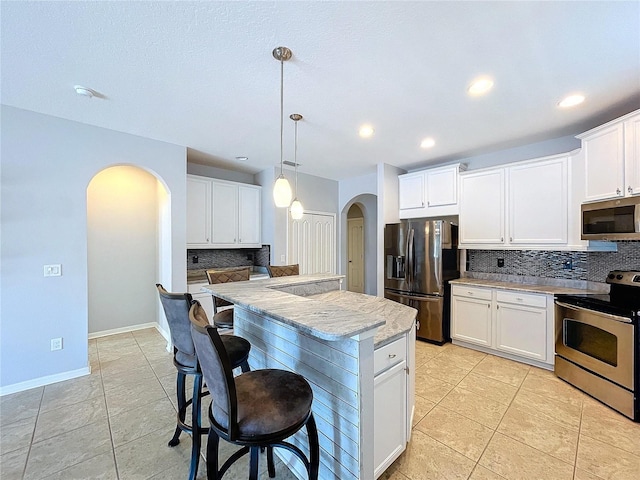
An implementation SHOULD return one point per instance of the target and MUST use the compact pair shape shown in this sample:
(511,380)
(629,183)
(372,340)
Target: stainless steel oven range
(598,343)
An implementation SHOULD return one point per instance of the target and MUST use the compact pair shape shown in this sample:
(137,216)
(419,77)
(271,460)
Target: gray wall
(47,164)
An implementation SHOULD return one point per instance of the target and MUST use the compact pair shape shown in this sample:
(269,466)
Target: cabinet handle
(428,203)
(392,355)
(497,307)
(470,293)
(629,189)
(423,204)
(502,239)
(488,305)
(617,191)
(511,239)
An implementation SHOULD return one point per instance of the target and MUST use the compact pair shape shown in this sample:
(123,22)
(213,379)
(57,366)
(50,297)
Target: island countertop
(329,313)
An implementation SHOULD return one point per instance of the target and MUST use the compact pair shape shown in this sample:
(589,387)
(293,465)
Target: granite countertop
(399,318)
(523,287)
(319,313)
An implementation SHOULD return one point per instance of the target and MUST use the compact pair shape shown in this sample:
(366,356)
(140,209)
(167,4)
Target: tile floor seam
(26,460)
(106,406)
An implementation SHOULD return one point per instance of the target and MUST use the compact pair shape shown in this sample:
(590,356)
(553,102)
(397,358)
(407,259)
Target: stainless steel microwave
(617,219)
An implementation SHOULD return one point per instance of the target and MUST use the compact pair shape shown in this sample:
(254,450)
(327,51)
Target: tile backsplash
(232,257)
(589,266)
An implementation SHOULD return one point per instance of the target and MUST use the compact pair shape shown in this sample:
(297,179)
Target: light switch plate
(283,258)
(53,270)
(56,344)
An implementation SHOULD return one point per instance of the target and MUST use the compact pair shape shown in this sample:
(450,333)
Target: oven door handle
(606,315)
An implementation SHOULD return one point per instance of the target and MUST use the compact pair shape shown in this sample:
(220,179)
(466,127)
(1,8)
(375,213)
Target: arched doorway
(355,249)
(126,231)
(361,209)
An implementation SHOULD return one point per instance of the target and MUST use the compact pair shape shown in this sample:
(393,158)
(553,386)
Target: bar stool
(176,309)
(283,270)
(224,318)
(255,410)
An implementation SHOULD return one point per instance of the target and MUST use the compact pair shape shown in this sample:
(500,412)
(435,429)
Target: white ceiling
(201,74)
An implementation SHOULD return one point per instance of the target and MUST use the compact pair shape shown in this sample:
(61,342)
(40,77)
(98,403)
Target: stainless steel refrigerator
(421,256)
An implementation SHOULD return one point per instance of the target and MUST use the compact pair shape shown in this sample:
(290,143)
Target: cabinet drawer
(473,292)
(389,355)
(539,301)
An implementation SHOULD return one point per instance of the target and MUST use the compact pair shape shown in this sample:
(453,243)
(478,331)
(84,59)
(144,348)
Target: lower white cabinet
(390,396)
(510,323)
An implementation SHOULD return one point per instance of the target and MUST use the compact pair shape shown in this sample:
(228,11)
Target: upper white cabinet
(222,214)
(612,159)
(515,206)
(428,193)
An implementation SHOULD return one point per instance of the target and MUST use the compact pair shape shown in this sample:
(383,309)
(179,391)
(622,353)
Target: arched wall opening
(128,240)
(368,206)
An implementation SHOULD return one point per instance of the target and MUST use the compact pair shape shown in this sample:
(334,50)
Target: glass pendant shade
(282,192)
(296,210)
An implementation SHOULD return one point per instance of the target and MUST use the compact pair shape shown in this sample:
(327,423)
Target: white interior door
(312,243)
(355,250)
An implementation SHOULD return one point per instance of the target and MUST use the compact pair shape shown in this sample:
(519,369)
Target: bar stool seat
(176,307)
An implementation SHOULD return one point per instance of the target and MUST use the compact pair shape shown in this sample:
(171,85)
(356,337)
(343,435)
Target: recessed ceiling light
(480,86)
(366,131)
(242,159)
(427,142)
(84,91)
(571,101)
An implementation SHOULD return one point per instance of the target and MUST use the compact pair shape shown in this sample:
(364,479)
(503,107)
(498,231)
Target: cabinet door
(471,320)
(225,213)
(442,187)
(249,201)
(312,243)
(632,156)
(411,190)
(604,163)
(198,211)
(389,417)
(522,330)
(482,207)
(538,203)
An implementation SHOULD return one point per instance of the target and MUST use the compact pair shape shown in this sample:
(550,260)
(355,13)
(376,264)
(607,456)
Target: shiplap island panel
(306,324)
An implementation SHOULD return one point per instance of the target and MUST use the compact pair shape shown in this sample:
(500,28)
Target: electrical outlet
(194,259)
(501,262)
(567,265)
(56,344)
(283,258)
(52,270)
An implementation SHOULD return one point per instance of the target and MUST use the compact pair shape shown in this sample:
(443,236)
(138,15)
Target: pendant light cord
(295,161)
(281,110)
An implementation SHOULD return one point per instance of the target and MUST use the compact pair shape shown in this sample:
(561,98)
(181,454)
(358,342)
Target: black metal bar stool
(224,318)
(257,409)
(176,309)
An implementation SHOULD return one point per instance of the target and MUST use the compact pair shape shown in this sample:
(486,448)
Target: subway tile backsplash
(589,266)
(232,257)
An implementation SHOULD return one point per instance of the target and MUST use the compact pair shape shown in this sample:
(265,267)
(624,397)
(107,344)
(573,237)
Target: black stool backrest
(176,309)
(216,368)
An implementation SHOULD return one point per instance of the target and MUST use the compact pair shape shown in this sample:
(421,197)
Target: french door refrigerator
(421,256)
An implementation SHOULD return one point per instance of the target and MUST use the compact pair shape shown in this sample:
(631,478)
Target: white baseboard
(39,382)
(132,328)
(60,377)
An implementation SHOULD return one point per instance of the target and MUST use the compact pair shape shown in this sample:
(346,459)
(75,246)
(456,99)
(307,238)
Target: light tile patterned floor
(478,417)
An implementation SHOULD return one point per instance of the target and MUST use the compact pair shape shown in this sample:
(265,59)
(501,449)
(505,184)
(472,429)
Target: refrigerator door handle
(411,255)
(437,254)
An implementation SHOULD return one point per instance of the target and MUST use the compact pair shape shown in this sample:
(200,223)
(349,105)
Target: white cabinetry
(612,159)
(429,193)
(222,214)
(471,319)
(518,205)
(514,324)
(390,404)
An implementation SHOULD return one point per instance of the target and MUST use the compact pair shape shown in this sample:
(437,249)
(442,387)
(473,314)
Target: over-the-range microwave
(617,219)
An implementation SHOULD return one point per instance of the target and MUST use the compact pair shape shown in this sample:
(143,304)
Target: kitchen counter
(523,287)
(340,342)
(291,300)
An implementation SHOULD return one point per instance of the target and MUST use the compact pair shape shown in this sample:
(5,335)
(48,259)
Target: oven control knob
(619,277)
(611,276)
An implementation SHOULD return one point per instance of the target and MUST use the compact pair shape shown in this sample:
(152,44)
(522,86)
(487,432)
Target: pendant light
(281,189)
(296,207)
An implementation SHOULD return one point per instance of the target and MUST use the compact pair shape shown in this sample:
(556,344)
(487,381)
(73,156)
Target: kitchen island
(356,351)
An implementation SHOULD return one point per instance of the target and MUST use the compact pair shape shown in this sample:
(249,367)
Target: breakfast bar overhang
(357,352)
